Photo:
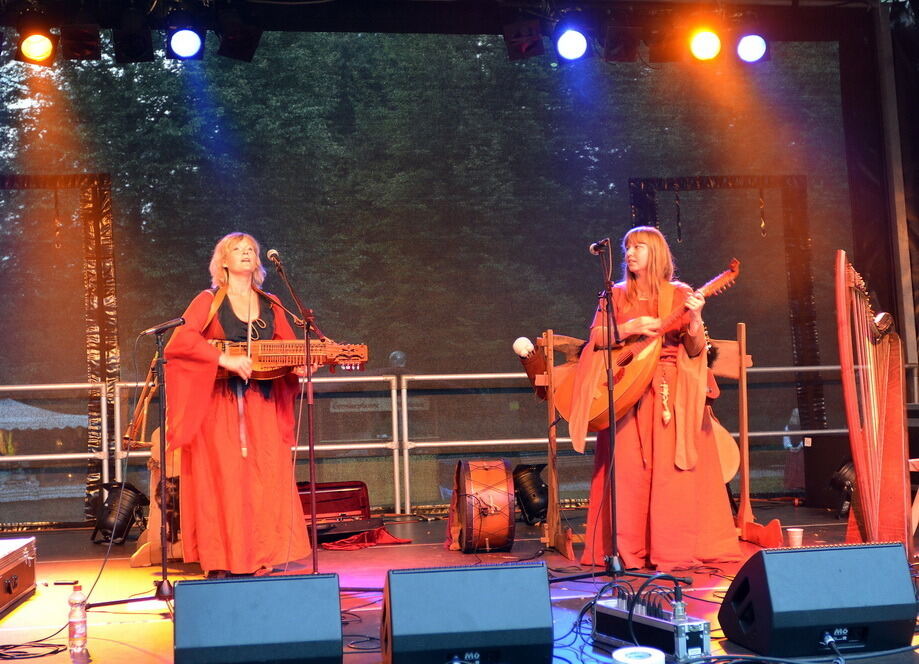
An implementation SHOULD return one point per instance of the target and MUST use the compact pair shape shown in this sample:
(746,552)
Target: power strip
(678,639)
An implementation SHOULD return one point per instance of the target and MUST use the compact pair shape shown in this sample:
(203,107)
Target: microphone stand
(612,341)
(613,563)
(308,322)
(164,590)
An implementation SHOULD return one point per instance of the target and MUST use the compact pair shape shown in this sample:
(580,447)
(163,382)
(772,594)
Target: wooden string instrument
(873,382)
(273,358)
(635,362)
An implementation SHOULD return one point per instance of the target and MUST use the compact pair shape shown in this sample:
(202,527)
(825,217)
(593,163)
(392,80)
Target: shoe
(217,574)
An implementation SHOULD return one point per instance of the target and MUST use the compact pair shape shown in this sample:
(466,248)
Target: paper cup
(795,536)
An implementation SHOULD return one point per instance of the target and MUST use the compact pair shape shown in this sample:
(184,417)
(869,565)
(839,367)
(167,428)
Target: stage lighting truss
(36,45)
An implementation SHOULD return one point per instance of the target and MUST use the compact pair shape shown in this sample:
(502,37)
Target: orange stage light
(37,47)
(704,44)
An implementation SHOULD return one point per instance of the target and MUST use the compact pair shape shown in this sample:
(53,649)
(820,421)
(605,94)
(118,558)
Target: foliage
(426,194)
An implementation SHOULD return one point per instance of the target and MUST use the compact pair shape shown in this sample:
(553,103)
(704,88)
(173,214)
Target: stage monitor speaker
(258,619)
(487,614)
(783,601)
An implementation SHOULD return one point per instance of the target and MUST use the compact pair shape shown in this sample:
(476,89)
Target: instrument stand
(554,536)
(732,362)
(308,322)
(164,590)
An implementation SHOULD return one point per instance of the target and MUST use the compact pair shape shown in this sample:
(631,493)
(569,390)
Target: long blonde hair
(218,260)
(661,267)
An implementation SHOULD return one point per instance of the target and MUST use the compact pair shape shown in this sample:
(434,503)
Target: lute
(634,364)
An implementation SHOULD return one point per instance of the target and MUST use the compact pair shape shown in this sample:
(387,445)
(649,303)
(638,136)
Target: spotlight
(121,509)
(571,40)
(36,45)
(132,42)
(843,480)
(523,39)
(704,44)
(664,45)
(185,44)
(621,44)
(238,40)
(752,48)
(81,42)
(184,41)
(531,492)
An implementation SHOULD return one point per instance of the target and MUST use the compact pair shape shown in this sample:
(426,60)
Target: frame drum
(484,505)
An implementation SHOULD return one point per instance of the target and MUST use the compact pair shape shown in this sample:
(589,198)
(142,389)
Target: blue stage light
(571,43)
(751,48)
(185,43)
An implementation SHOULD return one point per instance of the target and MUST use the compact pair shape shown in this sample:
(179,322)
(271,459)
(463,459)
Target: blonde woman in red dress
(672,509)
(239,508)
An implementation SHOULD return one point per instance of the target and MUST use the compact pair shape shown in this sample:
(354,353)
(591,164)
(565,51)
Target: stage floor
(142,632)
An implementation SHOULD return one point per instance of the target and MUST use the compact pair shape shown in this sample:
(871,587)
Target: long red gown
(238,513)
(672,509)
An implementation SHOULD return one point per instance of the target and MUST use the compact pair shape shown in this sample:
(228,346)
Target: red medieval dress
(672,509)
(238,513)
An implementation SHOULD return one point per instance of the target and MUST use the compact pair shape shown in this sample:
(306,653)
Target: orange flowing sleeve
(589,375)
(191,369)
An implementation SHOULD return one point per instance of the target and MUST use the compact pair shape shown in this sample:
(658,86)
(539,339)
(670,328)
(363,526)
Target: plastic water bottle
(76,637)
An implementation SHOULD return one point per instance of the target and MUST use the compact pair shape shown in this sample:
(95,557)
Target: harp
(873,381)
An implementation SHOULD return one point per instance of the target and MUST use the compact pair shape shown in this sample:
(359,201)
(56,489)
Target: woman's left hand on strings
(694,303)
(301,370)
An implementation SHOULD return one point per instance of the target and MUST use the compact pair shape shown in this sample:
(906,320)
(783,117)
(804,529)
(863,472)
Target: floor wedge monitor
(487,614)
(783,602)
(258,619)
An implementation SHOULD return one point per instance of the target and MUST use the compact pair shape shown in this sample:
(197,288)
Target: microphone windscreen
(523,346)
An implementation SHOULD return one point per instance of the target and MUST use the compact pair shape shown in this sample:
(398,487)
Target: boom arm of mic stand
(306,319)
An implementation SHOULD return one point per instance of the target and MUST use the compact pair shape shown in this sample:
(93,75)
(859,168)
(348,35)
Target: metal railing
(120,453)
(401,444)
(102,455)
(408,444)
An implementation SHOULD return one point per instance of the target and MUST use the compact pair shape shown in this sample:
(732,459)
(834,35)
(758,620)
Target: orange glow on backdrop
(48,236)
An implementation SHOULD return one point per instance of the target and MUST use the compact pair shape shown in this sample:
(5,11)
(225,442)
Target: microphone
(598,248)
(523,347)
(274,257)
(162,327)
